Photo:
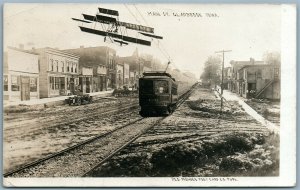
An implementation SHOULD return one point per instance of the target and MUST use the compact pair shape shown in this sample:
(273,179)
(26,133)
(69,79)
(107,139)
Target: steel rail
(182,98)
(34,163)
(79,119)
(121,148)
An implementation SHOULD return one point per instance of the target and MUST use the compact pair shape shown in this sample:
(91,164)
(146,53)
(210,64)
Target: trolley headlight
(161,89)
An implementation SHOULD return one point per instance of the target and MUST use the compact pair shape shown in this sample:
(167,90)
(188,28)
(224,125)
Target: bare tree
(273,58)
(212,70)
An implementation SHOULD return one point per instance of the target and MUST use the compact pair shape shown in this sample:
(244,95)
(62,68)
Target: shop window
(52,83)
(33,84)
(15,83)
(62,83)
(51,65)
(5,82)
(56,65)
(62,66)
(68,68)
(72,68)
(56,83)
(259,73)
(68,83)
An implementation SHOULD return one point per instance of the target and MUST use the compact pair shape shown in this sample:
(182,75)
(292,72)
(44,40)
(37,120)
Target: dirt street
(199,140)
(31,133)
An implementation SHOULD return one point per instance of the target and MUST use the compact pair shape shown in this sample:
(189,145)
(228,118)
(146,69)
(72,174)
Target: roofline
(260,65)
(49,49)
(22,50)
(62,52)
(244,61)
(90,48)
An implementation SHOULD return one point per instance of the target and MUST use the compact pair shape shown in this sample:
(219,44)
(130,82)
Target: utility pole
(223,51)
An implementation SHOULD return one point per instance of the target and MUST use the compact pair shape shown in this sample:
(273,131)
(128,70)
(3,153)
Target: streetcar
(157,93)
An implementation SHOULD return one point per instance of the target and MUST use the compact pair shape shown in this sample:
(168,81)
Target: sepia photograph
(149,95)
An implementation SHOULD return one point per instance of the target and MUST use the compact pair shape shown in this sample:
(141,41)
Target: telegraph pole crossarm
(223,51)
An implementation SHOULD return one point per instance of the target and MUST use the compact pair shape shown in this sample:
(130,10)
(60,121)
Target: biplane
(111,19)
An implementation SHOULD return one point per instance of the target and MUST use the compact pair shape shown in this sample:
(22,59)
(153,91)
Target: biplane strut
(116,24)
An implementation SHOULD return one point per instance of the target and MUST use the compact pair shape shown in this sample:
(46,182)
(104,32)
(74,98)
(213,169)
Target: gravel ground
(76,162)
(37,135)
(31,133)
(269,110)
(197,140)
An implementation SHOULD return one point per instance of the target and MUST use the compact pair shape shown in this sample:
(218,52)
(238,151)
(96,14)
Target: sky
(248,30)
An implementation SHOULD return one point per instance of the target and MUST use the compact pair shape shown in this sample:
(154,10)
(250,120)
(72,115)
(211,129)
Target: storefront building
(85,80)
(103,61)
(120,76)
(126,75)
(58,72)
(20,75)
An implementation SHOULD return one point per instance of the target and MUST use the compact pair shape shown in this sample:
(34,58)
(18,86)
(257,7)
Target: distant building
(126,75)
(235,67)
(120,75)
(259,81)
(103,61)
(132,79)
(99,78)
(59,72)
(20,75)
(85,79)
(136,67)
(227,77)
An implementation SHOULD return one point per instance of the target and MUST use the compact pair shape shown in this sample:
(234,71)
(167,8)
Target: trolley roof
(157,74)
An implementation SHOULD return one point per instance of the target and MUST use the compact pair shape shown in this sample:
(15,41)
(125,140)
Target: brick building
(103,61)
(59,72)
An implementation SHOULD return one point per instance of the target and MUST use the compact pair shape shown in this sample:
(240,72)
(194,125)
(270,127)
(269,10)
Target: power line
(132,14)
(28,10)
(163,51)
(223,51)
(141,15)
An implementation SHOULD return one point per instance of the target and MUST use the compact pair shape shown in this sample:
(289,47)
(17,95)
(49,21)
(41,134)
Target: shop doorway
(25,88)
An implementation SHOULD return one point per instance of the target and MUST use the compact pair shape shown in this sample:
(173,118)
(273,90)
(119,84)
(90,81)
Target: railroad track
(181,99)
(76,160)
(85,116)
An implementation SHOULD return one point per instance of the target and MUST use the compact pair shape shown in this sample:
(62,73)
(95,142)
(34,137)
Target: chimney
(81,47)
(252,61)
(21,46)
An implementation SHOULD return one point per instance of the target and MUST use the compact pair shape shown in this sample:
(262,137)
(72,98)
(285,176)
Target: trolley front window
(161,87)
(146,86)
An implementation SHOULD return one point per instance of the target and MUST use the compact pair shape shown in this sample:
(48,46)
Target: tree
(212,70)
(273,58)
